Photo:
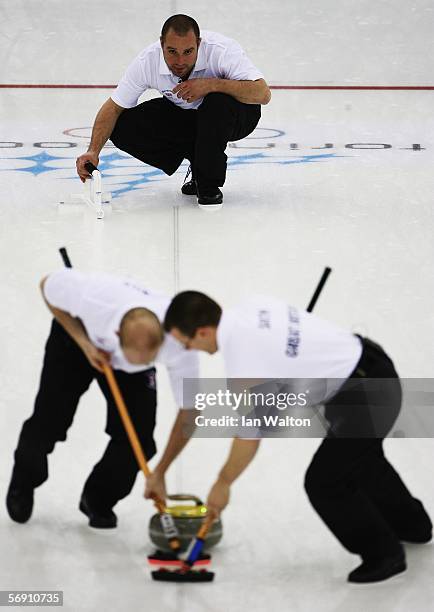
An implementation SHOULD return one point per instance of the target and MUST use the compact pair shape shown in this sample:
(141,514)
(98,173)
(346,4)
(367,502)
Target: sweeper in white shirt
(350,483)
(99,319)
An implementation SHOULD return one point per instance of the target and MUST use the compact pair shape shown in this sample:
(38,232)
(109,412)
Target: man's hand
(193,89)
(247,92)
(241,454)
(80,162)
(95,356)
(156,487)
(218,498)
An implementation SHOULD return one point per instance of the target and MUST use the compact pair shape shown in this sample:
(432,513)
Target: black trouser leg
(220,119)
(373,417)
(114,475)
(157,132)
(333,485)
(66,375)
(403,512)
(349,482)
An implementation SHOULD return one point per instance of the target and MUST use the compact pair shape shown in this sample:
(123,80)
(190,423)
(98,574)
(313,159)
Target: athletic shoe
(210,201)
(189,187)
(100,519)
(19,500)
(375,570)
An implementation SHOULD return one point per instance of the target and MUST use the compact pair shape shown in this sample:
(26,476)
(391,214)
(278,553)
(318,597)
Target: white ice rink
(337,177)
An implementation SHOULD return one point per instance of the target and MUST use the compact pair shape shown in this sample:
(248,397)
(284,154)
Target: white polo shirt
(263,337)
(100,301)
(218,57)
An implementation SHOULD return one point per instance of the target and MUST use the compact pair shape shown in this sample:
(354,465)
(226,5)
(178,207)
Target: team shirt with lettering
(265,338)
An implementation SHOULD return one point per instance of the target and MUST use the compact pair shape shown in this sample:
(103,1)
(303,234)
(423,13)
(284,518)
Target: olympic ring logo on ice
(123,174)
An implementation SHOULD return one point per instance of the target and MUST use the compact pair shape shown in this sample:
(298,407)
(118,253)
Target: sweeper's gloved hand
(156,487)
(218,498)
(80,162)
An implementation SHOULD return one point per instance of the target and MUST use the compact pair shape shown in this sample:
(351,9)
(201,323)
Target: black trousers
(162,134)
(66,375)
(350,483)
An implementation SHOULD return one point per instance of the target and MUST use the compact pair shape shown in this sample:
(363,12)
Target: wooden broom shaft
(129,428)
(206,525)
(135,444)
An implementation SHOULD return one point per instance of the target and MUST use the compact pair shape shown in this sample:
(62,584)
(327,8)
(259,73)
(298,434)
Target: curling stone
(187,519)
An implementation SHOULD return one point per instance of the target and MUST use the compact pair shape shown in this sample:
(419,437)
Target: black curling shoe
(376,570)
(19,501)
(100,519)
(189,188)
(210,201)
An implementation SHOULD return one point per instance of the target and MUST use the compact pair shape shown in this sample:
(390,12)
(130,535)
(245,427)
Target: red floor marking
(358,87)
(54,86)
(276,87)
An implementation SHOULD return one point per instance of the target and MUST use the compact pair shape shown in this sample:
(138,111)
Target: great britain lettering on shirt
(293,340)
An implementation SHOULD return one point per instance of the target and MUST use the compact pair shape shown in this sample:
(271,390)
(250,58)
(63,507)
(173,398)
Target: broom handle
(313,301)
(319,288)
(135,444)
(205,527)
(129,428)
